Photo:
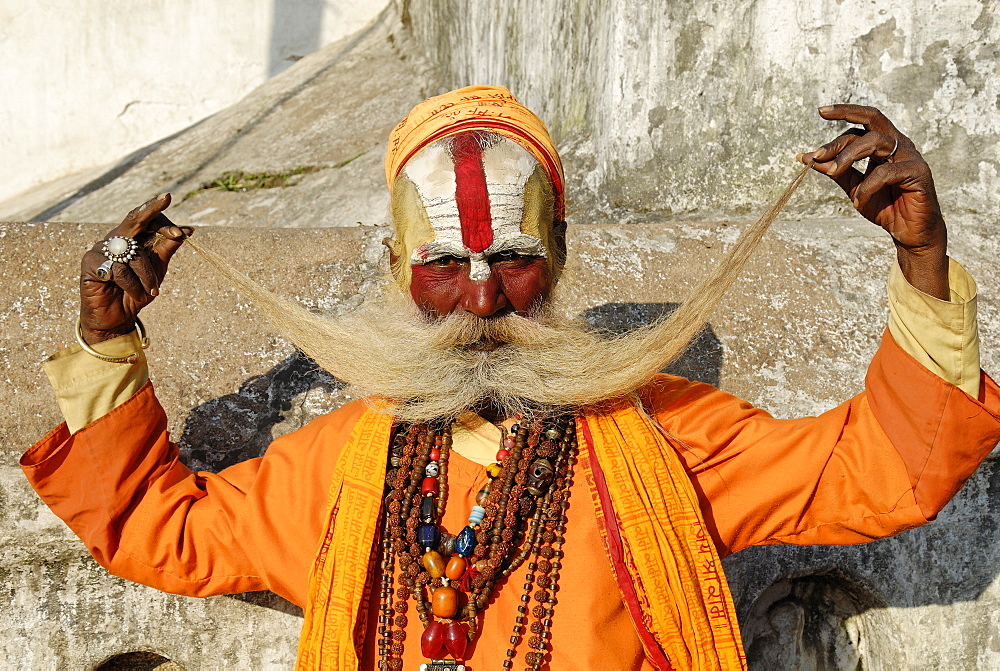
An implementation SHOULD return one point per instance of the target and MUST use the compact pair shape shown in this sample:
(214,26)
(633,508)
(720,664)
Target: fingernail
(854,201)
(162,196)
(798,157)
(187,231)
(154,292)
(826,109)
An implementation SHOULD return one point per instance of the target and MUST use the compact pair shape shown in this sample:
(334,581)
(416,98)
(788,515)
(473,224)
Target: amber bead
(434,563)
(444,602)
(455,568)
(493,470)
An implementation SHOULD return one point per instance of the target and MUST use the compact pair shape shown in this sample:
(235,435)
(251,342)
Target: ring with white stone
(119,248)
(104,271)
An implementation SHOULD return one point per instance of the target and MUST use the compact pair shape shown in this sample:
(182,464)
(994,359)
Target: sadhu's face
(474,225)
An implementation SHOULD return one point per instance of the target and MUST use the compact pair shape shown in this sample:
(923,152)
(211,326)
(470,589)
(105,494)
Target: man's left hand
(896,191)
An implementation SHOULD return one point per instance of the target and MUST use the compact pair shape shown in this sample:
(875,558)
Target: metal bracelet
(131,358)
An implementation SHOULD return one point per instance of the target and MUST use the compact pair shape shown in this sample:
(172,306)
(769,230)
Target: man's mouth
(484,345)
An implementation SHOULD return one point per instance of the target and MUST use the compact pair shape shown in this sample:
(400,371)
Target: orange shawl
(667,567)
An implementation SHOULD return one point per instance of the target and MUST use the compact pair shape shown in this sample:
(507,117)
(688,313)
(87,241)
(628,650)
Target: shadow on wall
(240,426)
(295,32)
(139,661)
(701,361)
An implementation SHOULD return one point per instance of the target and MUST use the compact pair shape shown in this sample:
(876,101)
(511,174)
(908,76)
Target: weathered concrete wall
(794,336)
(696,108)
(85,83)
(328,113)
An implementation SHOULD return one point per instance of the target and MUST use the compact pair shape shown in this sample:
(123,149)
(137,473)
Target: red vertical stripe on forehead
(471,196)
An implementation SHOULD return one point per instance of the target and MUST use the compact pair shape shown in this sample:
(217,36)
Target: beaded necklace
(519,514)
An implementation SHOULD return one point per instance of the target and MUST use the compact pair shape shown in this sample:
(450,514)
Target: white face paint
(506,168)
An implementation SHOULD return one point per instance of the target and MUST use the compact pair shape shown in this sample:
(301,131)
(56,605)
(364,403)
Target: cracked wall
(697,108)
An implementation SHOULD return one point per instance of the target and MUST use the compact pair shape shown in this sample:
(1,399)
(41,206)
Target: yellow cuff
(941,335)
(88,388)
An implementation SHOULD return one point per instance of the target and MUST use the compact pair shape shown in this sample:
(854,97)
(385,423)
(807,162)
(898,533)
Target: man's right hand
(108,309)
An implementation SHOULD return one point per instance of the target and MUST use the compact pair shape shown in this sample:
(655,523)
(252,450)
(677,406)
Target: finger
(167,243)
(869,117)
(161,225)
(125,277)
(135,222)
(834,147)
(91,260)
(822,160)
(906,175)
(873,144)
(144,270)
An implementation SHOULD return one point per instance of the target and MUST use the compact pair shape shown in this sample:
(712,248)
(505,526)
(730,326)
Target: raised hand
(109,302)
(896,191)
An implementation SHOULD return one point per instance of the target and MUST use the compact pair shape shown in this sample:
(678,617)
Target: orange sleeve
(886,460)
(146,517)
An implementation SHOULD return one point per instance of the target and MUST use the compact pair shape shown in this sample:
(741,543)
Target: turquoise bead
(477,515)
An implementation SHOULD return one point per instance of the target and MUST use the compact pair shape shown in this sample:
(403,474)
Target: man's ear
(559,242)
(393,247)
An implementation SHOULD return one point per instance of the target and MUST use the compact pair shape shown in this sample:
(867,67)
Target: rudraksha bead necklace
(520,515)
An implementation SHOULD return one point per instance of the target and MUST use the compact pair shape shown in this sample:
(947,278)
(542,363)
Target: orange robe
(885,461)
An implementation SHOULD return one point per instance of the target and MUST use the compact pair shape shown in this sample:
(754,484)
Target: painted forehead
(476,191)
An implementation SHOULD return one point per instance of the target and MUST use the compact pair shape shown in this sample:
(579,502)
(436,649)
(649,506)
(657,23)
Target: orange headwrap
(488,108)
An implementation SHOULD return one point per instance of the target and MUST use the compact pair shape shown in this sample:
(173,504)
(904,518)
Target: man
(505,444)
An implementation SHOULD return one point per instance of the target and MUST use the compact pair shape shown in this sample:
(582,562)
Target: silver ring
(104,271)
(894,148)
(119,248)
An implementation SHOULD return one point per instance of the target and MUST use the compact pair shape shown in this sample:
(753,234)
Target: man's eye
(509,256)
(444,261)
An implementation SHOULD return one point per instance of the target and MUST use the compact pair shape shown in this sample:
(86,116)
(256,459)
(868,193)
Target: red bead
(432,641)
(502,454)
(455,640)
(430,485)
(435,454)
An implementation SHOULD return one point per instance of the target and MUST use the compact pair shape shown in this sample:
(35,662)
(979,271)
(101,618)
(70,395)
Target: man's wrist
(94,336)
(926,270)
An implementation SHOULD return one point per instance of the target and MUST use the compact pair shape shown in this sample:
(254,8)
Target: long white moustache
(426,369)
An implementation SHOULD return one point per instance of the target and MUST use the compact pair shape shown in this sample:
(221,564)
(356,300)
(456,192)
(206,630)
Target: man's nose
(483,298)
